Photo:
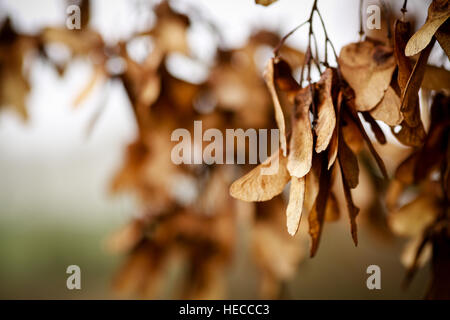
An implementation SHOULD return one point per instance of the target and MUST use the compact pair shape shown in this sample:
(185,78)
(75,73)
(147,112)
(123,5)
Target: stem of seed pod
(403,9)
(361,29)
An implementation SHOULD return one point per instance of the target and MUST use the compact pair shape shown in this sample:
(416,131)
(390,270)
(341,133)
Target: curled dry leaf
(409,94)
(284,79)
(438,13)
(317,215)
(350,132)
(368,69)
(326,119)
(279,116)
(333,149)
(401,36)
(295,205)
(369,144)
(332,212)
(414,217)
(350,177)
(388,110)
(311,188)
(411,131)
(352,209)
(333,146)
(301,143)
(257,186)
(349,164)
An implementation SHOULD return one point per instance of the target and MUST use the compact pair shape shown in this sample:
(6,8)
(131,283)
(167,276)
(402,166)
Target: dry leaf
(295,205)
(409,95)
(284,79)
(311,187)
(279,116)
(333,149)
(349,164)
(438,13)
(401,36)
(351,133)
(334,142)
(326,118)
(256,186)
(411,132)
(411,219)
(388,110)
(332,212)
(369,144)
(352,209)
(317,215)
(301,143)
(368,69)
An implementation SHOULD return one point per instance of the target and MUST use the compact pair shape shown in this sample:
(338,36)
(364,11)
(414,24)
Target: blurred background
(55,205)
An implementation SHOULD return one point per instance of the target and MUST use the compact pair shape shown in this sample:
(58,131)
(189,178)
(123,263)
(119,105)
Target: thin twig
(316,58)
(280,44)
(309,56)
(327,38)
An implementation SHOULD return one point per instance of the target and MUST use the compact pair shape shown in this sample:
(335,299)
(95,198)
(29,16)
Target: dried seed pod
(368,69)
(301,143)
